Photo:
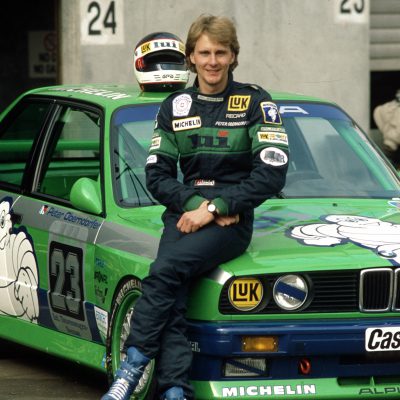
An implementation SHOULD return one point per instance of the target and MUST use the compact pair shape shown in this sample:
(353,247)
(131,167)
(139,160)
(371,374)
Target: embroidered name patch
(271,113)
(186,123)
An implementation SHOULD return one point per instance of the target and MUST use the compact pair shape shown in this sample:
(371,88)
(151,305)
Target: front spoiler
(340,365)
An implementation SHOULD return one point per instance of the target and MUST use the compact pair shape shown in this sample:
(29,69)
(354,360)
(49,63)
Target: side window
(17,135)
(73,152)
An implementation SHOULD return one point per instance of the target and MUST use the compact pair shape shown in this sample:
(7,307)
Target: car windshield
(329,155)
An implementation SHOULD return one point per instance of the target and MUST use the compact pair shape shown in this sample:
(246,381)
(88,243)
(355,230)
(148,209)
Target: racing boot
(127,376)
(174,393)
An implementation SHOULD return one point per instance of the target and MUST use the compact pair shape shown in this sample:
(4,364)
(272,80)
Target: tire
(118,330)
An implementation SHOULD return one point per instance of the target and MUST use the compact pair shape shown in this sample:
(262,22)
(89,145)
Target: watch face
(212,208)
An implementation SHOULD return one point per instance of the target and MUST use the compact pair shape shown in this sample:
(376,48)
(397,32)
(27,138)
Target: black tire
(118,330)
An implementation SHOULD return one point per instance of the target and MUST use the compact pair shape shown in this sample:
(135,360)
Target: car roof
(123,94)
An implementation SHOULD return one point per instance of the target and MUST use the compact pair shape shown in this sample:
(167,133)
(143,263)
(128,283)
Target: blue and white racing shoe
(127,376)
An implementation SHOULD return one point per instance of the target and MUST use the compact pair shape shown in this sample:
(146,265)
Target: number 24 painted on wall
(95,24)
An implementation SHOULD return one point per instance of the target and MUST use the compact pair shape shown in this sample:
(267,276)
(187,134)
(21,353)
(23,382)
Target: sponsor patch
(271,113)
(186,123)
(273,137)
(151,159)
(238,103)
(280,129)
(240,115)
(181,105)
(273,156)
(212,99)
(155,143)
(204,182)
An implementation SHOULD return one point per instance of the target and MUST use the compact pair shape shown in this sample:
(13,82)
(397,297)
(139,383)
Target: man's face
(212,61)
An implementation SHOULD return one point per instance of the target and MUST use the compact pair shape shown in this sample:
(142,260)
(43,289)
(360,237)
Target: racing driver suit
(232,150)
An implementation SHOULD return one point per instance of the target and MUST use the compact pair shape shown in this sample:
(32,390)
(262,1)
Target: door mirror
(85,195)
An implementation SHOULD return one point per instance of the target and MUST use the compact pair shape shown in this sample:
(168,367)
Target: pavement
(28,374)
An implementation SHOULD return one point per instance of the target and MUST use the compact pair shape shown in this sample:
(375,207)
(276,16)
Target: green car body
(311,310)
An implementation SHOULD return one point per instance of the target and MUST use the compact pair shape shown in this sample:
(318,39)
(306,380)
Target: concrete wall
(316,47)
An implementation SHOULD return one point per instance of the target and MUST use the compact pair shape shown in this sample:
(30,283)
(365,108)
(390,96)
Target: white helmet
(160,63)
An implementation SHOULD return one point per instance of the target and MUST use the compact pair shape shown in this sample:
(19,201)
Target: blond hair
(219,29)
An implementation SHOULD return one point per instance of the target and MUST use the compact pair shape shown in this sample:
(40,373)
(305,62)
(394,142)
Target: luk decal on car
(380,236)
(18,270)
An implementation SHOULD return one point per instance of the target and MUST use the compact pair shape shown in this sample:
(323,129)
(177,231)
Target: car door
(53,249)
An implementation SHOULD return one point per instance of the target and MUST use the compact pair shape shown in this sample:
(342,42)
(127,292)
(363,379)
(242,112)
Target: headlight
(290,292)
(245,294)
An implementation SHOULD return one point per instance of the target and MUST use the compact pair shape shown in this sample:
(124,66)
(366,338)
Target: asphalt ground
(28,374)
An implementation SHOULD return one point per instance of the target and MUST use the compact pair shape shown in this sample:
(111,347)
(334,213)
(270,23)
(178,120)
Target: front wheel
(118,331)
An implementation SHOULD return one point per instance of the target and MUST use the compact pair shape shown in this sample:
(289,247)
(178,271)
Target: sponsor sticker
(382,339)
(273,137)
(273,156)
(271,113)
(238,103)
(245,294)
(181,105)
(145,48)
(186,123)
(270,390)
(101,321)
(155,143)
(151,159)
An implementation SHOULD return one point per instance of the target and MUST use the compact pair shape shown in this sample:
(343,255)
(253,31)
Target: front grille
(370,290)
(376,289)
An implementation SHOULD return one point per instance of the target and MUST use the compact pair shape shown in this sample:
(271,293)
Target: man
(224,135)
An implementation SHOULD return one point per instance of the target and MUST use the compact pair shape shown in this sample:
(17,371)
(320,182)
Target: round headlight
(245,294)
(290,292)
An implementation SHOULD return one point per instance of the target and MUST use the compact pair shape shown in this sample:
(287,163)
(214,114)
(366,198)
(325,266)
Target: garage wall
(316,47)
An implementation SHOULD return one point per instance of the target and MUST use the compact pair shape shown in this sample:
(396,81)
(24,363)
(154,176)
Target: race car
(310,310)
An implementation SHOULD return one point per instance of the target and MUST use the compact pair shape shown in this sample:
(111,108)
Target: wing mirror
(85,195)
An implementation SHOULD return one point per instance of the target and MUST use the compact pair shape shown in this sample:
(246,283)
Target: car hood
(309,234)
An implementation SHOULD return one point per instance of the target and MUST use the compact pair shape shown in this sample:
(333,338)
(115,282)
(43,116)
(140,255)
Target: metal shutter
(385,35)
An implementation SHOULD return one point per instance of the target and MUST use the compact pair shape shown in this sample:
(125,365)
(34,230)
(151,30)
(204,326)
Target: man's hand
(225,220)
(192,221)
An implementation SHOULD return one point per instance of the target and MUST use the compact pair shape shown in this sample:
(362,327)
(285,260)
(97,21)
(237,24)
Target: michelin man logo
(382,237)
(18,271)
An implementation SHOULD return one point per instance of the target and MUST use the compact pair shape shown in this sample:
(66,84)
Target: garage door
(385,35)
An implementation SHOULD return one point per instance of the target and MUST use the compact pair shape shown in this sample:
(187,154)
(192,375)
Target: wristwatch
(212,208)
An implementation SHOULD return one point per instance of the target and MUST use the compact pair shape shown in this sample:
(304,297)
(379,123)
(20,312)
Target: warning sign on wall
(42,47)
